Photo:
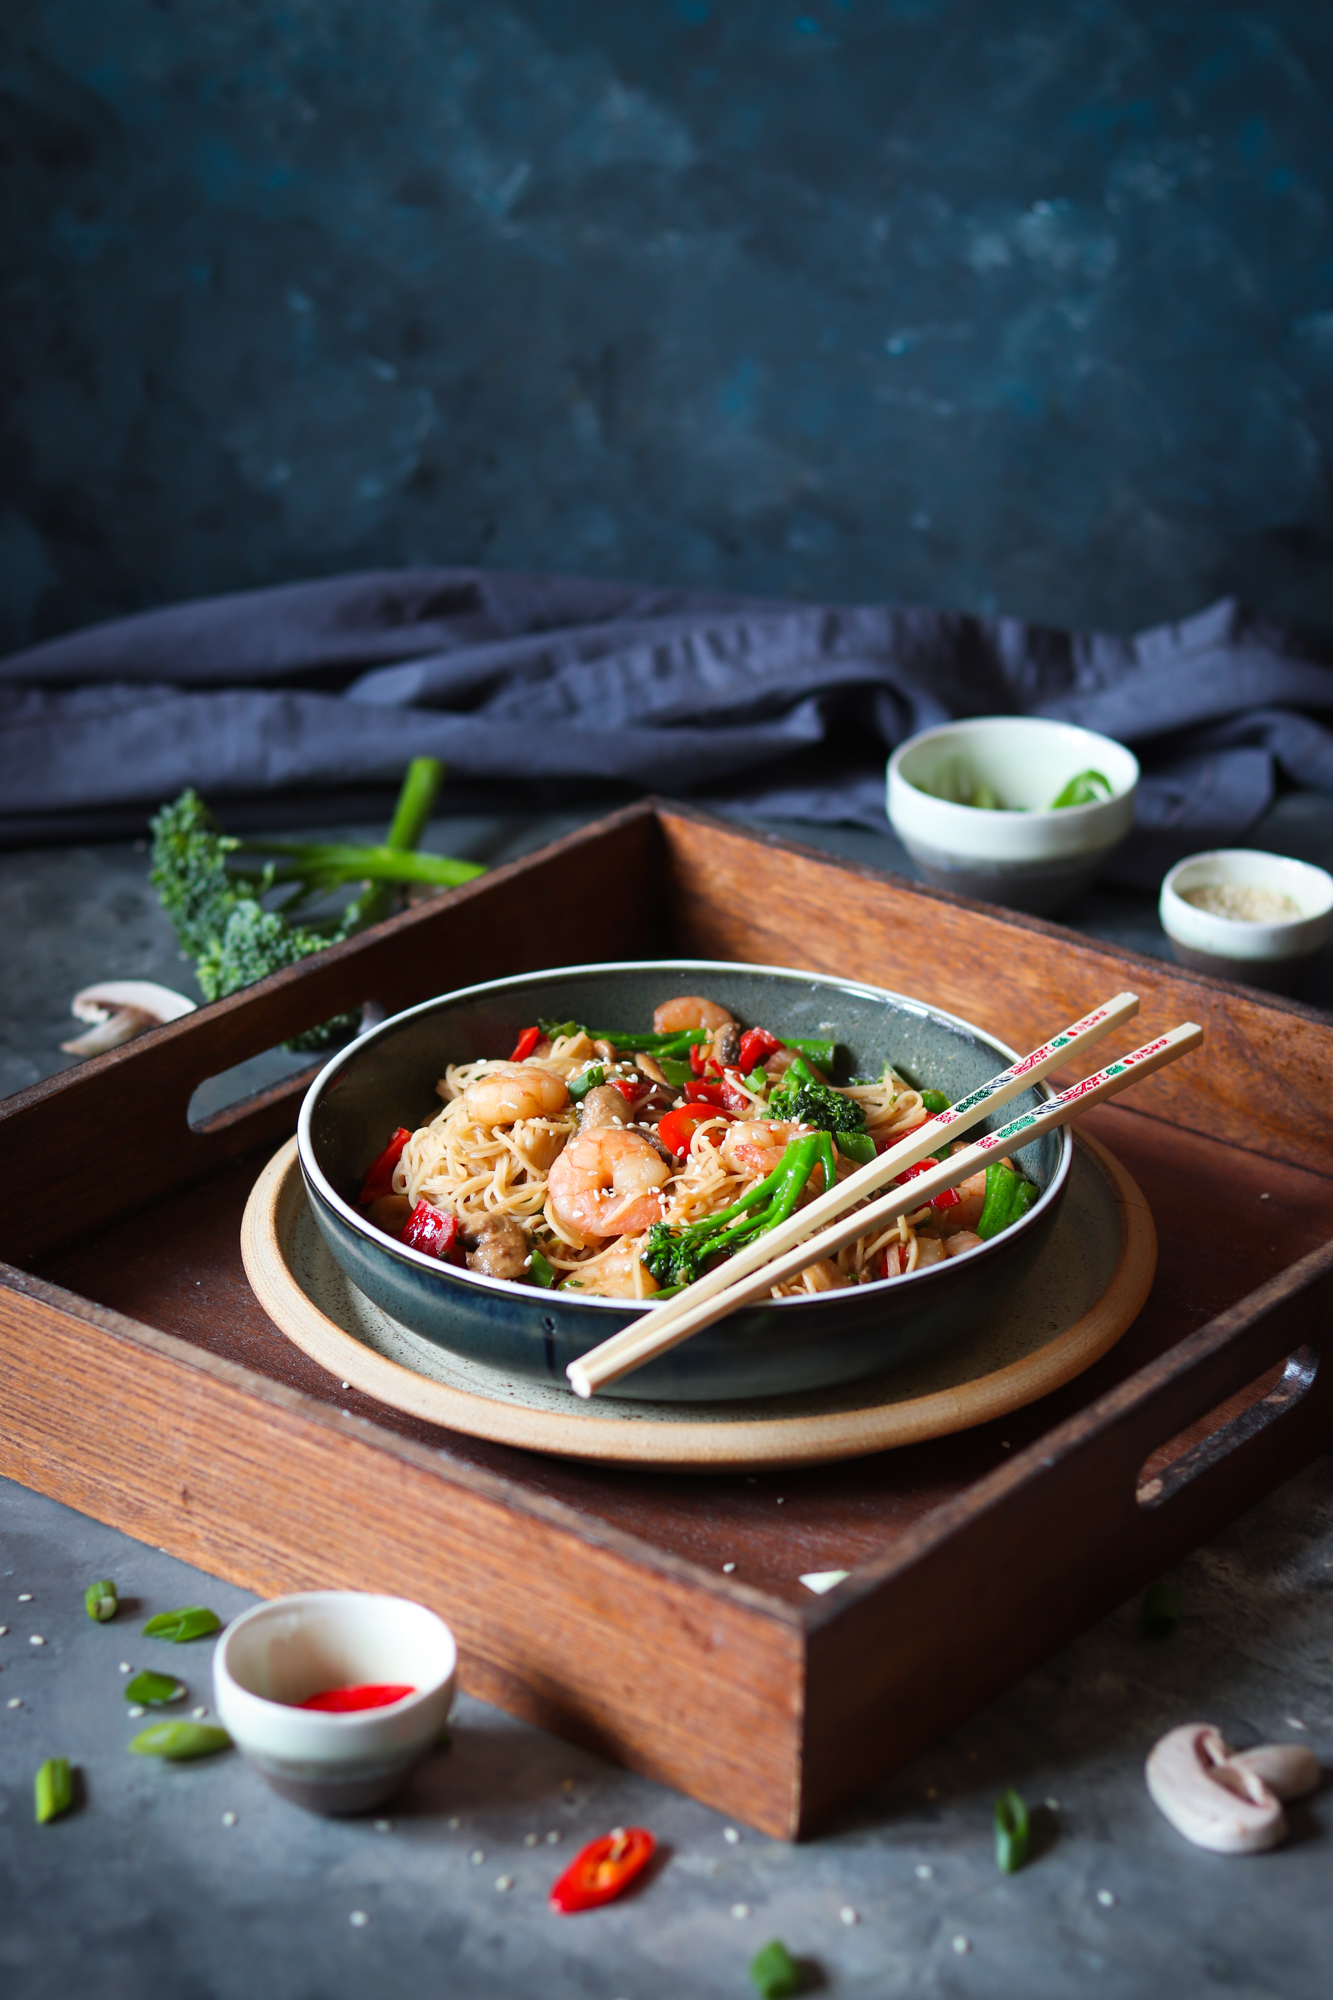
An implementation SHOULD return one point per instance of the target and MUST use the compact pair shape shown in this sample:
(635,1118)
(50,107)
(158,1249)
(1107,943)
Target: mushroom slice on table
(1212,1800)
(1289,1770)
(120,1009)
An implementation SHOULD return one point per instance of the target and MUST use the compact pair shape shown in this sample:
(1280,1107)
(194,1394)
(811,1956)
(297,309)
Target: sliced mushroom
(1288,1769)
(1208,1797)
(500,1248)
(120,1009)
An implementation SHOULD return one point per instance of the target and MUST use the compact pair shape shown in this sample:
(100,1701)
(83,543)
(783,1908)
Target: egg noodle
(477,1170)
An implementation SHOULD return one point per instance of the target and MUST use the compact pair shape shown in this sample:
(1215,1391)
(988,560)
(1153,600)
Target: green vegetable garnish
(858,1146)
(677,1073)
(194,1622)
(804,1098)
(154,1690)
(1012,1832)
(1087,789)
(216,902)
(774,1972)
(53,1789)
(934,1100)
(757,1080)
(1008,1197)
(543,1270)
(579,1086)
(677,1256)
(178,1742)
(1161,1610)
(100,1601)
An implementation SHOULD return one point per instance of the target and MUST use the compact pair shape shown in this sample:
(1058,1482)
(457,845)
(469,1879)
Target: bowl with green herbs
(1012,809)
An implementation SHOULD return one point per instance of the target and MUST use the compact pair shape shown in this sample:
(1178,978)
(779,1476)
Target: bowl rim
(315,1721)
(1072,816)
(319,1184)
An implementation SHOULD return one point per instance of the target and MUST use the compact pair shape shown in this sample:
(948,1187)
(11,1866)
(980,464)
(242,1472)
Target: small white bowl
(1271,955)
(1038,859)
(282,1652)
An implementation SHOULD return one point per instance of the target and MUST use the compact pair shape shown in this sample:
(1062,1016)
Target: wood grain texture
(1263,1080)
(971,1555)
(555,1617)
(784,1441)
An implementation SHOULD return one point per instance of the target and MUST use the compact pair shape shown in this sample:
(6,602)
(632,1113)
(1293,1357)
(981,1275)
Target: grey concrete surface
(144,1891)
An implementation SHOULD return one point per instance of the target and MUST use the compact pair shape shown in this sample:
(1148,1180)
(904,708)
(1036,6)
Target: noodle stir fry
(622,1164)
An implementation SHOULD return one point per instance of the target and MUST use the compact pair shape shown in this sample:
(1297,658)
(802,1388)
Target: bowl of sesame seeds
(1246,915)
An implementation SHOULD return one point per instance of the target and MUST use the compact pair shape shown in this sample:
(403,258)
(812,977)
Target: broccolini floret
(221,904)
(807,1101)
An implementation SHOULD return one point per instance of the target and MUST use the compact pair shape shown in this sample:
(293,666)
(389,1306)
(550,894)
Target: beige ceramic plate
(1087,1290)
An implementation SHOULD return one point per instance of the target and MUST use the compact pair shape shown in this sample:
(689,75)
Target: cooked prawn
(515,1090)
(756,1145)
(689,1011)
(605,1183)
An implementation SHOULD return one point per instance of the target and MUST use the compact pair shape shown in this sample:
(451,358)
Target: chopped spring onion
(178,1742)
(774,1973)
(194,1622)
(579,1086)
(1012,1832)
(53,1789)
(543,1270)
(154,1690)
(1089,788)
(1008,1199)
(100,1601)
(858,1146)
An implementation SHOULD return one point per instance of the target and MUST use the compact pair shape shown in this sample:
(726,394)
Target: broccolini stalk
(214,898)
(678,1256)
(804,1098)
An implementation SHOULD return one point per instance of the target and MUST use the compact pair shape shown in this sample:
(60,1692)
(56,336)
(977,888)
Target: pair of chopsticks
(803,1240)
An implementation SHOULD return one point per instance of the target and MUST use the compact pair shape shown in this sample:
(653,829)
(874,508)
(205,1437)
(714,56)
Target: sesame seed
(1264,1197)
(530,1840)
(1052,1805)
(229,1819)
(346,1385)
(924,1871)
(781,1501)
(455,1823)
(961,1944)
(552,1838)
(848,1914)
(36,1640)
(25,1597)
(125,1667)
(3,1630)
(1293,1722)
(477,1856)
(358,1920)
(730,1835)
(503,1882)
(727,1568)
(14,1703)
(740,1910)
(199,1713)
(383,1825)
(1106,1899)
(135,1713)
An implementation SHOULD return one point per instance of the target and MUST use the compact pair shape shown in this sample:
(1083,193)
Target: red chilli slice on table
(352,1700)
(603,1870)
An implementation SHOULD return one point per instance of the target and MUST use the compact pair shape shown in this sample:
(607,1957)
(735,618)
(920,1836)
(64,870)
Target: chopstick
(634,1345)
(1067,1046)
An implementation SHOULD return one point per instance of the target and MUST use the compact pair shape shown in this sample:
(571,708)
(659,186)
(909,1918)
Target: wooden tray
(1087,1291)
(143,1384)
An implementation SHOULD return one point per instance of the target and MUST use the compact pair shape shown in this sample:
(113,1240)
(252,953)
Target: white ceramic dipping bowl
(283,1652)
(1037,859)
(1271,955)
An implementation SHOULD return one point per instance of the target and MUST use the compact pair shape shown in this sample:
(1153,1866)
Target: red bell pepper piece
(603,1870)
(350,1700)
(895,1261)
(757,1045)
(946,1198)
(704,1093)
(629,1091)
(379,1174)
(525,1044)
(436,1234)
(678,1127)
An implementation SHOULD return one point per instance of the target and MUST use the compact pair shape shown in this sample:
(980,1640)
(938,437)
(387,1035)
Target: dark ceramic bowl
(387,1078)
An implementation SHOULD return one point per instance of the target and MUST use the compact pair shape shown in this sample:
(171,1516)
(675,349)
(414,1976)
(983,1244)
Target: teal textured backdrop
(1010,306)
